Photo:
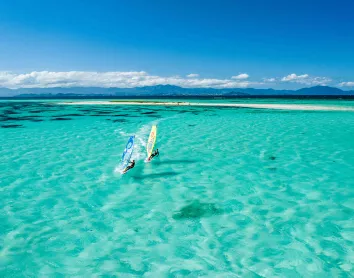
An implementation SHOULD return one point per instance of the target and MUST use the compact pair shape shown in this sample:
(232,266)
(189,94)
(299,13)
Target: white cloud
(241,76)
(347,84)
(269,79)
(130,79)
(193,75)
(319,81)
(306,79)
(47,79)
(293,77)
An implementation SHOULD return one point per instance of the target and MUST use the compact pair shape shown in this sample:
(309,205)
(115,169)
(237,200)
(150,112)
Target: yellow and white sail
(151,141)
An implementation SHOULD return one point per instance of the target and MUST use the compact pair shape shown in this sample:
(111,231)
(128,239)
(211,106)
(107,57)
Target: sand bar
(239,105)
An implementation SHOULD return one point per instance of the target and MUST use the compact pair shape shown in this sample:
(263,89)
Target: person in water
(131,166)
(156,153)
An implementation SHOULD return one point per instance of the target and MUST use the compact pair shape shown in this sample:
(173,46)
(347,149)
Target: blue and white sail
(128,151)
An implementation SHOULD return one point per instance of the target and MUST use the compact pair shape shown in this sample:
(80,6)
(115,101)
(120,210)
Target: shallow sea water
(236,192)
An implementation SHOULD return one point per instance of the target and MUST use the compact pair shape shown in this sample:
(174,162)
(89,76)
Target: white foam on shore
(241,105)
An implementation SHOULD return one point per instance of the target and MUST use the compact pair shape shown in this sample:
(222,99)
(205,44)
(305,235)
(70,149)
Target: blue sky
(278,44)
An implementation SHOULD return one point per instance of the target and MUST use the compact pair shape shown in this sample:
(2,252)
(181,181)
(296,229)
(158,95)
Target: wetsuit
(156,153)
(130,166)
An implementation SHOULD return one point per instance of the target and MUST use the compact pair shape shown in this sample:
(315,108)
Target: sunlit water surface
(235,192)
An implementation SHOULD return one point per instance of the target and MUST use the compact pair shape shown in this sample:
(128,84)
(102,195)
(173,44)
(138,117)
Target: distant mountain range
(167,90)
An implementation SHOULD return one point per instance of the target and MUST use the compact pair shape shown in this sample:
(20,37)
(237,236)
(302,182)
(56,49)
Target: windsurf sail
(151,141)
(128,151)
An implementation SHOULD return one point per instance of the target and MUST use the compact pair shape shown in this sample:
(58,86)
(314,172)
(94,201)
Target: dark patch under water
(35,111)
(149,112)
(121,115)
(135,110)
(103,112)
(23,118)
(117,120)
(196,210)
(18,107)
(190,111)
(70,115)
(60,119)
(272,157)
(4,119)
(10,112)
(151,109)
(11,126)
(127,115)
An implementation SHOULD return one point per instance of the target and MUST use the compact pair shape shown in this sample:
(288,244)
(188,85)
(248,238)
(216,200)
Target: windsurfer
(131,166)
(155,153)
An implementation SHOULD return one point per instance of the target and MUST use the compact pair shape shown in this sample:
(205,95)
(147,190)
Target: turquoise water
(235,192)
